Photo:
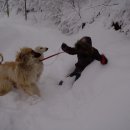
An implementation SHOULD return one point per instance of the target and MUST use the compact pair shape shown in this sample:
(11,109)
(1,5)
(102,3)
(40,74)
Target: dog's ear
(21,57)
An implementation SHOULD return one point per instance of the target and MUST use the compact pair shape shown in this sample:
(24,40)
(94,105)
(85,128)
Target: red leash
(51,56)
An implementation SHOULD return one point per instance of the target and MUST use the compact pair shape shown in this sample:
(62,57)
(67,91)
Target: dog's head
(40,49)
(27,55)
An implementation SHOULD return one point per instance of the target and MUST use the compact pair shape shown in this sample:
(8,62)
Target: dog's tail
(1,58)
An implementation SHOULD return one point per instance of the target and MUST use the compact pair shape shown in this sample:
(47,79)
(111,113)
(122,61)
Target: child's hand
(104,60)
(64,47)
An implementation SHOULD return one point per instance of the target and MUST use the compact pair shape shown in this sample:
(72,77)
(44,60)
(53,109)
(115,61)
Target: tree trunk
(7,7)
(25,7)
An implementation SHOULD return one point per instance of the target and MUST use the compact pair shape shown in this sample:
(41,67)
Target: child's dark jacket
(84,50)
(84,57)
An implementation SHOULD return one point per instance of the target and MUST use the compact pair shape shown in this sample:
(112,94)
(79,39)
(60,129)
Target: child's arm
(69,50)
(96,54)
(100,57)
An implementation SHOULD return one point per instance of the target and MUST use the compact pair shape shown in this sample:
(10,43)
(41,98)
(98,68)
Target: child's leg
(72,74)
(79,69)
(77,76)
(77,73)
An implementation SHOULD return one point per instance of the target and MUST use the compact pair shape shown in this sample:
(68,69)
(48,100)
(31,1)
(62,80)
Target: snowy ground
(99,100)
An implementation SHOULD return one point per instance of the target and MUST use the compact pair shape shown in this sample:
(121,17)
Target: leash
(51,56)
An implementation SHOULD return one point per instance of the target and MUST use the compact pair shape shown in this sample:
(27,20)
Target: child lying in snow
(85,53)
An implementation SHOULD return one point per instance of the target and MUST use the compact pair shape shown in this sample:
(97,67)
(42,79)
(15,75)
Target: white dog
(20,73)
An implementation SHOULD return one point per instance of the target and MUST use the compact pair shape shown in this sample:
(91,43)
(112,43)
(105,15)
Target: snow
(99,100)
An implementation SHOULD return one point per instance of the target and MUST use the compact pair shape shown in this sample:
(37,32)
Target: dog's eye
(41,48)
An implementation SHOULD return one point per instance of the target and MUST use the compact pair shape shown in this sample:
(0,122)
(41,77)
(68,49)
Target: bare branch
(25,7)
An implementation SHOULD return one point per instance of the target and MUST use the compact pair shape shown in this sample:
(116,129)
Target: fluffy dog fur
(39,64)
(20,73)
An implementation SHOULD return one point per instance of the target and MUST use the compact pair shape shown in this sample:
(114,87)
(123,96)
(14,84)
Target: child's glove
(64,47)
(103,59)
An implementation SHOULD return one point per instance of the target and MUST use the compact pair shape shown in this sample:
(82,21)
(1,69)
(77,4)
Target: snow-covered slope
(99,100)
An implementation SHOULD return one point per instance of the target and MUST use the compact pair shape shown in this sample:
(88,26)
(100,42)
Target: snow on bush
(119,15)
(69,15)
(70,24)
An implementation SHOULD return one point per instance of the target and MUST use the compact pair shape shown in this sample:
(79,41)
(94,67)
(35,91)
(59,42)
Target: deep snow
(99,100)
